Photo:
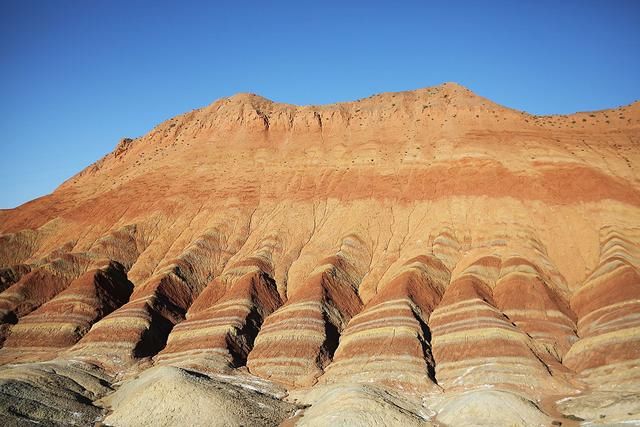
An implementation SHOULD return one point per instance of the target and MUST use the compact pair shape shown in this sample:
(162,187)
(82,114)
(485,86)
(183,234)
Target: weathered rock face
(417,257)
(388,342)
(298,341)
(61,322)
(223,335)
(475,343)
(607,305)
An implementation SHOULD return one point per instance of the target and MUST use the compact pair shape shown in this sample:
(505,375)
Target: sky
(76,76)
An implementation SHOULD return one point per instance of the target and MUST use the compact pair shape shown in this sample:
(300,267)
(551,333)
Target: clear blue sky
(75,76)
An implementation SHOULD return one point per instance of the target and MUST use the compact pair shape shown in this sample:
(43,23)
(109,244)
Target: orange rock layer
(431,243)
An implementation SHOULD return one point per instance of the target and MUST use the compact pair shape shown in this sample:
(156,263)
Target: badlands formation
(415,258)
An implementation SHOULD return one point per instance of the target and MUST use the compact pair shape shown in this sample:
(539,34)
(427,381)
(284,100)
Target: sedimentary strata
(422,257)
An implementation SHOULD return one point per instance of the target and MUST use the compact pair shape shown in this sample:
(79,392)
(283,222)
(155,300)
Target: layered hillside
(423,258)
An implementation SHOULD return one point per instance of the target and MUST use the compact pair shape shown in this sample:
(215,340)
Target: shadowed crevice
(240,345)
(425,343)
(154,338)
(331,341)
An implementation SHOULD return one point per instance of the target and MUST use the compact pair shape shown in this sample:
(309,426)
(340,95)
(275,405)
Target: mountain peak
(246,97)
(446,89)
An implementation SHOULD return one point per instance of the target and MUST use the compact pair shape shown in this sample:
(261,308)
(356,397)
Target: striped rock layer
(37,287)
(139,328)
(298,341)
(608,310)
(61,322)
(223,335)
(389,341)
(428,245)
(475,342)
